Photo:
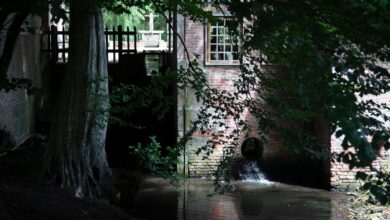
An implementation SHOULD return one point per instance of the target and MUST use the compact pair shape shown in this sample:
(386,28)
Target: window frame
(207,47)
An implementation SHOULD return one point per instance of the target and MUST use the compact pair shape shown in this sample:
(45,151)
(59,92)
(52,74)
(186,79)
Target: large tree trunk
(76,153)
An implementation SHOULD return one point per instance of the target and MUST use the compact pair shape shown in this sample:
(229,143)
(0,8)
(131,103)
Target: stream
(158,199)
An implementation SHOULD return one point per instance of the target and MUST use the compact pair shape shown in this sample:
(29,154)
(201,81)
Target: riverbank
(25,195)
(360,206)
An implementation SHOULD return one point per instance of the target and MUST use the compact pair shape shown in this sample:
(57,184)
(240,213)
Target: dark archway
(252,149)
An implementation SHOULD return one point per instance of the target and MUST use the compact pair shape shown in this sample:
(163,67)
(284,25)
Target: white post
(151,22)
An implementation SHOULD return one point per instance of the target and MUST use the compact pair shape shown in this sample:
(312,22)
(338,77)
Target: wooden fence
(118,41)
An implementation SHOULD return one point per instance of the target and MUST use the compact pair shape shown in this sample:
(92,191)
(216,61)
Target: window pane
(228,56)
(221,43)
(227,39)
(220,30)
(213,30)
(213,56)
(235,56)
(213,47)
(228,47)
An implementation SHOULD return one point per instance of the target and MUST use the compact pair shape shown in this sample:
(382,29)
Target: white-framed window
(221,45)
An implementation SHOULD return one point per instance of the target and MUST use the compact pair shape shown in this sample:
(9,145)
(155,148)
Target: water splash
(251,173)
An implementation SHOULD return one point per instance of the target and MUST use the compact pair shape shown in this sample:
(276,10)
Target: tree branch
(10,42)
(4,13)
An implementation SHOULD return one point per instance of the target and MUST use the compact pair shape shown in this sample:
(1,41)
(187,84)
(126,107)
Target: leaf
(361,175)
(339,133)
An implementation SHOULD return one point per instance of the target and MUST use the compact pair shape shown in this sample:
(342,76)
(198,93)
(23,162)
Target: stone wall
(17,107)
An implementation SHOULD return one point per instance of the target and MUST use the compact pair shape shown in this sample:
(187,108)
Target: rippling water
(158,199)
(251,173)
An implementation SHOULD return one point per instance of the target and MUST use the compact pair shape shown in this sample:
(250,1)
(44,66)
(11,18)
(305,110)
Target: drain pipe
(184,112)
(185,131)
(184,191)
(185,101)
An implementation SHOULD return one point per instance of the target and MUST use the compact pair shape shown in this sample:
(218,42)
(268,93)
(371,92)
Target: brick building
(219,60)
(342,176)
(220,63)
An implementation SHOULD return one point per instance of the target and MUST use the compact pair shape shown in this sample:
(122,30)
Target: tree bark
(76,153)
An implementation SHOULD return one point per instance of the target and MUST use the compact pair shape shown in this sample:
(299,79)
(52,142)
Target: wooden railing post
(54,43)
(114,41)
(120,41)
(107,43)
(135,39)
(64,44)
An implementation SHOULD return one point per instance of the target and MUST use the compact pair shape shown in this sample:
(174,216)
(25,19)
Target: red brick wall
(280,161)
(223,77)
(341,175)
(220,77)
(276,158)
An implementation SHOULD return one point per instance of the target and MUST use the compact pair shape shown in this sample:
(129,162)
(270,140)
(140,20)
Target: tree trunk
(76,155)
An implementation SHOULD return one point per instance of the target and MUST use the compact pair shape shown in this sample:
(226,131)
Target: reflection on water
(158,199)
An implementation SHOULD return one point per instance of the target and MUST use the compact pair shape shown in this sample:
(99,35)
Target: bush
(152,160)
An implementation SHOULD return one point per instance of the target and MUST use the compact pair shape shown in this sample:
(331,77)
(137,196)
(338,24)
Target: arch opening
(252,149)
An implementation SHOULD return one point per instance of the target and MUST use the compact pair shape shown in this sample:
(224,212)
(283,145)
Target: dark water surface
(158,199)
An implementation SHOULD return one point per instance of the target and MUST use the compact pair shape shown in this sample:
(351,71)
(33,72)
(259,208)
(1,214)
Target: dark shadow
(143,122)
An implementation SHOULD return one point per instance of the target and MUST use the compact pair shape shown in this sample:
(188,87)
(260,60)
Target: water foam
(251,173)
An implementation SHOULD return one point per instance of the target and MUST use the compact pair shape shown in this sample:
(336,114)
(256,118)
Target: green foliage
(18,83)
(362,206)
(131,13)
(377,183)
(217,105)
(36,7)
(331,61)
(328,59)
(150,159)
(135,17)
(12,19)
(126,99)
